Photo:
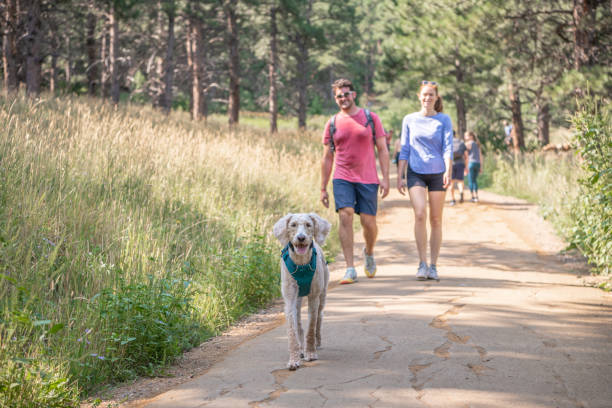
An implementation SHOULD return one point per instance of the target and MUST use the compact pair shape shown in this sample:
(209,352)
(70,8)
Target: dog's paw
(293,365)
(311,356)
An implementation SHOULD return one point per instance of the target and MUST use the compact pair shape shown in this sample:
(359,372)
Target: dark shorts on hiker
(458,170)
(433,182)
(363,198)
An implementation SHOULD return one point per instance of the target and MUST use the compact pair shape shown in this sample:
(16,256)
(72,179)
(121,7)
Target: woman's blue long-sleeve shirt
(426,142)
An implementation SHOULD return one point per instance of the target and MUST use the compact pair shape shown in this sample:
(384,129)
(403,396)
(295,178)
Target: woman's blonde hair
(438,107)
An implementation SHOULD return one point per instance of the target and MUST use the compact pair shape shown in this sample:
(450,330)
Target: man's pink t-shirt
(355,158)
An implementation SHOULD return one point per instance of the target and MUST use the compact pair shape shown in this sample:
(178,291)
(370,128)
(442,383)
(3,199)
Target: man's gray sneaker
(422,272)
(370,264)
(433,273)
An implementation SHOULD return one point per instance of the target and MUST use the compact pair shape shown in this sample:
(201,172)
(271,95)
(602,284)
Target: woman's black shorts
(433,182)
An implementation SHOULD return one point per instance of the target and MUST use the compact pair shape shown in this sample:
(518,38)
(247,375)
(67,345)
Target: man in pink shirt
(355,180)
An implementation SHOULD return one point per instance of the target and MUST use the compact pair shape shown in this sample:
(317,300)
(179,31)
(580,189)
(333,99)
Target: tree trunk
(459,101)
(303,68)
(272,71)
(518,138)
(368,69)
(9,47)
(90,45)
(68,66)
(33,48)
(156,75)
(169,63)
(191,46)
(53,76)
(543,122)
(302,81)
(582,43)
(104,58)
(114,54)
(461,114)
(233,107)
(195,61)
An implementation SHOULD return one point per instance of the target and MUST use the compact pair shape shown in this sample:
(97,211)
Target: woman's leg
(418,198)
(436,205)
(472,173)
(476,170)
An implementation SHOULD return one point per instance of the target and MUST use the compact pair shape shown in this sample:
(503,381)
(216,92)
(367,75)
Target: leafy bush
(34,384)
(29,376)
(592,230)
(141,327)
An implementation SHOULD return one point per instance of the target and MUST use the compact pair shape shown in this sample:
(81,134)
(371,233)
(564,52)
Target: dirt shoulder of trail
(529,227)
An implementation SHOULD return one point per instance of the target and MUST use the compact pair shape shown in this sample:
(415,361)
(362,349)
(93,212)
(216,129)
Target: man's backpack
(332,129)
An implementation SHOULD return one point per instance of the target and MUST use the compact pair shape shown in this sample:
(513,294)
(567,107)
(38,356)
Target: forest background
(136,153)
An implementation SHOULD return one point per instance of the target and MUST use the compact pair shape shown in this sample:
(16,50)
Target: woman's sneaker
(349,277)
(433,273)
(422,272)
(370,264)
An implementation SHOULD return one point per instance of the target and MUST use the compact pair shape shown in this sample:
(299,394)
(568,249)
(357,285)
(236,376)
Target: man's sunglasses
(344,95)
(429,83)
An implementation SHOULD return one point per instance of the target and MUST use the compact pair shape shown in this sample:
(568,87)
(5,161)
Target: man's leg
(370,231)
(345,231)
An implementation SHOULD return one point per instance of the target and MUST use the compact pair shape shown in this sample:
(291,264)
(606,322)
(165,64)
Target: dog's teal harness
(302,274)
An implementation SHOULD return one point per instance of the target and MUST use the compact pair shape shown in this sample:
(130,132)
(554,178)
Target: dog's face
(300,230)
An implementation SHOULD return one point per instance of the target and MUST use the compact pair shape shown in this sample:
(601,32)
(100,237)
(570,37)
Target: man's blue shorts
(363,198)
(458,170)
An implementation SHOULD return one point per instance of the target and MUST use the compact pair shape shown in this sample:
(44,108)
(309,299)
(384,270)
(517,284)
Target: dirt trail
(509,324)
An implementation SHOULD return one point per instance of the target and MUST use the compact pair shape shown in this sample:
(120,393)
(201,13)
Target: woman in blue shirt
(426,157)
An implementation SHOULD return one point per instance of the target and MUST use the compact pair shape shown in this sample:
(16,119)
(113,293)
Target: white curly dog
(302,236)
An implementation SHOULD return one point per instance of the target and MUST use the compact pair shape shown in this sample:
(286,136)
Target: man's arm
(326,167)
(383,158)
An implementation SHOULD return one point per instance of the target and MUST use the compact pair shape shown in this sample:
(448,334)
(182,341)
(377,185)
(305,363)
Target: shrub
(592,227)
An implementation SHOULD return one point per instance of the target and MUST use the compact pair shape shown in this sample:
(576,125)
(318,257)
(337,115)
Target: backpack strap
(370,122)
(332,129)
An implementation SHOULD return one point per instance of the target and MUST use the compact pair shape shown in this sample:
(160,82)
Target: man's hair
(342,83)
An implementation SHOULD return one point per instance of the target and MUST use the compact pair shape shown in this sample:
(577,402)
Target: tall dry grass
(547,179)
(114,219)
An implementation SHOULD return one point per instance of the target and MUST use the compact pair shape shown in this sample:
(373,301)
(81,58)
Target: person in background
(459,164)
(474,163)
(508,133)
(389,136)
(397,147)
(355,179)
(426,156)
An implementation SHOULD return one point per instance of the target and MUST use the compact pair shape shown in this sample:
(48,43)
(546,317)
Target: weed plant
(127,236)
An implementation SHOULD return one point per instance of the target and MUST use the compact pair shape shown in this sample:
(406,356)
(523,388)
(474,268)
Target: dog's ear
(322,227)
(280,229)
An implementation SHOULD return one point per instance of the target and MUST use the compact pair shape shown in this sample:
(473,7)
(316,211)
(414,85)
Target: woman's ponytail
(438,105)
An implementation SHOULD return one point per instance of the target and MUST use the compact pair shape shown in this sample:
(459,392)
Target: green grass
(127,236)
(549,180)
